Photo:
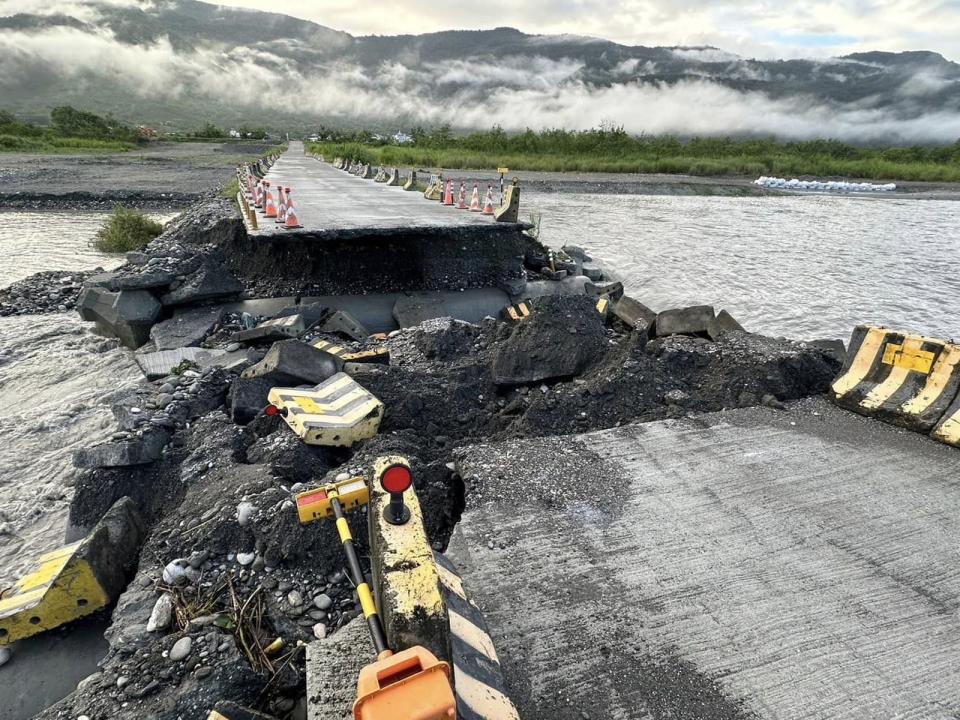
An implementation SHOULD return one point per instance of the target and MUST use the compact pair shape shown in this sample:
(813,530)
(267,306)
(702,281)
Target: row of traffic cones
(461,200)
(259,197)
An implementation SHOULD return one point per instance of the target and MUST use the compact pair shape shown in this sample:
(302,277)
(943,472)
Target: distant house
(234,133)
(401,138)
(147,133)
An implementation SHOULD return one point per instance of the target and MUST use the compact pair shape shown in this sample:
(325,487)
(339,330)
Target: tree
(70,122)
(209,130)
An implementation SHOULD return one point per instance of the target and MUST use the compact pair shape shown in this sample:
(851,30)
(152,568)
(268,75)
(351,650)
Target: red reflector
(396,479)
(312,497)
(272,410)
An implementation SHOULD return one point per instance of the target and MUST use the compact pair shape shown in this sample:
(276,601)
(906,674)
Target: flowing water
(804,267)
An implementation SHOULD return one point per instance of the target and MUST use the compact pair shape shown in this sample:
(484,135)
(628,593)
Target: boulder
(723,323)
(613,290)
(633,313)
(186,328)
(211,281)
(247,397)
(312,313)
(123,453)
(292,363)
(693,320)
(562,337)
(127,315)
(834,348)
(591,271)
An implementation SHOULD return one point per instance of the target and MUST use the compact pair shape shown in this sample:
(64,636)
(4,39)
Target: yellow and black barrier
(948,429)
(76,580)
(379,355)
(903,379)
(338,412)
(478,680)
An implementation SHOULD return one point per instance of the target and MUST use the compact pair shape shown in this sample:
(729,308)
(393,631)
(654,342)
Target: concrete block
(632,312)
(393,179)
(411,183)
(123,453)
(146,280)
(288,326)
(613,290)
(186,328)
(693,320)
(210,282)
(568,286)
(406,579)
(340,322)
(591,271)
(312,312)
(333,665)
(156,365)
(247,397)
(576,252)
(724,323)
(292,363)
(510,210)
(127,315)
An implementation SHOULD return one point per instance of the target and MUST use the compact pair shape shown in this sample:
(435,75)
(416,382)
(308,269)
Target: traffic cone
(462,198)
(282,207)
(448,195)
(475,199)
(488,202)
(291,221)
(269,206)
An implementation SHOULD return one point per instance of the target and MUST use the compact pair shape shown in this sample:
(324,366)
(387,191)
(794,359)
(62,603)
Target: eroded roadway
(753,563)
(329,199)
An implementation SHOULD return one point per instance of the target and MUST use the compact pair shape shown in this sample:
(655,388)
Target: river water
(810,266)
(803,267)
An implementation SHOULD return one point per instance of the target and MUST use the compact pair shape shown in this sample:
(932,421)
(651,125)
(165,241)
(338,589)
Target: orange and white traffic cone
(488,202)
(282,207)
(448,195)
(269,206)
(475,199)
(291,220)
(462,198)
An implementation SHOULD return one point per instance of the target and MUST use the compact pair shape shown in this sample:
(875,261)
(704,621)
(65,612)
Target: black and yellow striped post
(367,605)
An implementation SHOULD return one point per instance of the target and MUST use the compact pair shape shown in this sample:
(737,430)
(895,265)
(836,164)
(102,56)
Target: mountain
(179,63)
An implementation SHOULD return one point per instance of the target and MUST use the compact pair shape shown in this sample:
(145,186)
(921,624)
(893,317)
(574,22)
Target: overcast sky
(776,28)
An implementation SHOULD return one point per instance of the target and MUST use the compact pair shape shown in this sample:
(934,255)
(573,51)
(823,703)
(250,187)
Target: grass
(47,144)
(231,189)
(613,151)
(126,230)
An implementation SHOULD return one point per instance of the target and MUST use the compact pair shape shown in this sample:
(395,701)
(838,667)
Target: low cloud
(515,92)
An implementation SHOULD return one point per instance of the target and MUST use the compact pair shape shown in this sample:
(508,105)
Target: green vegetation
(70,130)
(231,189)
(613,150)
(126,230)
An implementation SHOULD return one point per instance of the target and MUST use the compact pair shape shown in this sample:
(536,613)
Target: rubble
(127,315)
(186,328)
(292,363)
(44,292)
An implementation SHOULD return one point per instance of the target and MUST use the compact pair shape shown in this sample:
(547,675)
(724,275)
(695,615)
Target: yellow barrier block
(337,412)
(904,379)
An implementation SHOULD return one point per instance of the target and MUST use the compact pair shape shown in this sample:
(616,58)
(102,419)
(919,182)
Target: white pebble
(162,614)
(245,558)
(319,631)
(245,511)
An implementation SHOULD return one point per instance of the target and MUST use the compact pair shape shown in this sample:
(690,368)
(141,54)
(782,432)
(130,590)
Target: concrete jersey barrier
(902,379)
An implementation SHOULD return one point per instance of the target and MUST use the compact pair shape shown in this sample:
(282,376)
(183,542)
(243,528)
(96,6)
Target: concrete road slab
(754,563)
(328,199)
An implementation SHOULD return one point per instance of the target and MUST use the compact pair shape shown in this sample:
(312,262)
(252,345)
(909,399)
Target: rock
(312,313)
(203,672)
(123,453)
(5,656)
(295,598)
(245,511)
(723,323)
(576,252)
(343,323)
(127,315)
(162,614)
(211,281)
(633,313)
(834,348)
(247,397)
(591,271)
(291,363)
(693,320)
(246,558)
(772,402)
(320,631)
(181,649)
(561,338)
(323,601)
(175,572)
(135,257)
(186,328)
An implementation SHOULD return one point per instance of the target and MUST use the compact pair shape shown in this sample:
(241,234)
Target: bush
(126,230)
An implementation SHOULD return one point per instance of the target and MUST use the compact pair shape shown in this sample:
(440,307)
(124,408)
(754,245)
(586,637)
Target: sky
(753,28)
